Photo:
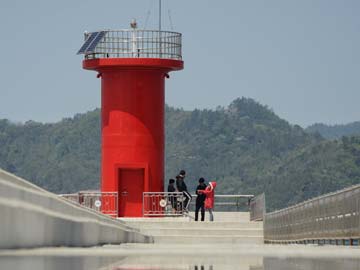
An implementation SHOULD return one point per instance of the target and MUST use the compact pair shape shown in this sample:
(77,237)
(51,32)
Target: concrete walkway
(189,257)
(229,228)
(35,222)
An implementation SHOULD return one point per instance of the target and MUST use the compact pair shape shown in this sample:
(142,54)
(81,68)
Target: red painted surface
(132,125)
(131,186)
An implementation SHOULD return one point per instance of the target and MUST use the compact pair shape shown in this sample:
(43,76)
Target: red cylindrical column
(132,125)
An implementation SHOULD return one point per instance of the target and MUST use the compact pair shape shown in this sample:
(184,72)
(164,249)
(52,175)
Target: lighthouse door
(131,188)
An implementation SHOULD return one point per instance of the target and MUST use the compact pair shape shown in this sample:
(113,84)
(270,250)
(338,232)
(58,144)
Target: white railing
(104,202)
(160,204)
(328,218)
(229,201)
(137,43)
(257,208)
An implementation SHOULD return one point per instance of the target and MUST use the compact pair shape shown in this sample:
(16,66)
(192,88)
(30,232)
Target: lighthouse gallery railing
(130,43)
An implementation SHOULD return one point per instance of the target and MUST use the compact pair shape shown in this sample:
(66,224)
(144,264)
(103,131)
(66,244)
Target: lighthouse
(132,65)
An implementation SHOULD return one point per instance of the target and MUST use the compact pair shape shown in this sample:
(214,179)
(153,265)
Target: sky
(300,58)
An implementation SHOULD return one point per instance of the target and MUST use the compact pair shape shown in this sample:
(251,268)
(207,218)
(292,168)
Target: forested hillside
(335,131)
(246,147)
(314,170)
(237,145)
(62,157)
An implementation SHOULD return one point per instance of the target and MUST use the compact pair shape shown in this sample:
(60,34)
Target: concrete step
(228,228)
(227,216)
(202,231)
(207,239)
(193,225)
(154,219)
(219,217)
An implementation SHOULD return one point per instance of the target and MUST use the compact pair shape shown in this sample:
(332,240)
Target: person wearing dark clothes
(181,187)
(200,199)
(171,188)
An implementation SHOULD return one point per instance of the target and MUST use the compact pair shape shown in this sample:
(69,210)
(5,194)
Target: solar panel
(91,42)
(97,39)
(87,42)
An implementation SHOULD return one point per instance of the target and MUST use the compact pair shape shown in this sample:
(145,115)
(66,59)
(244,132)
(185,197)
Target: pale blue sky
(301,58)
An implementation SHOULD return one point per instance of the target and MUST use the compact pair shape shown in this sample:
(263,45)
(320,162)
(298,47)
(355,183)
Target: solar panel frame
(95,42)
(87,42)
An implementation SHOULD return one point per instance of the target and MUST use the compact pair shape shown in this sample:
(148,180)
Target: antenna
(159,15)
(170,20)
(147,18)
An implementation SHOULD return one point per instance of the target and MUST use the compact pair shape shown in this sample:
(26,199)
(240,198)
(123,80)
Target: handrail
(136,43)
(235,202)
(327,217)
(230,196)
(164,204)
(257,207)
(105,202)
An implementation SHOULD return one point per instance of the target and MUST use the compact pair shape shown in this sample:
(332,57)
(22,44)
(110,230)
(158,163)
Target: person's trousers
(187,200)
(197,208)
(211,216)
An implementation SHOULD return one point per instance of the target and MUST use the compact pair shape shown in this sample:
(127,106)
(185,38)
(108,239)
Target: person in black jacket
(171,186)
(200,199)
(181,187)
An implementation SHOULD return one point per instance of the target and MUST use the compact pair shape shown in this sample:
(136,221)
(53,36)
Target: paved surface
(143,250)
(177,256)
(228,228)
(32,217)
(184,244)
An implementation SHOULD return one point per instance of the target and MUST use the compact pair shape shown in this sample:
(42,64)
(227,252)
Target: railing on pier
(331,218)
(169,204)
(155,204)
(229,202)
(172,203)
(257,208)
(105,202)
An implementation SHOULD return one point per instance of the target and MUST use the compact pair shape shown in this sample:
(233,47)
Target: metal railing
(135,43)
(229,201)
(163,204)
(257,208)
(104,202)
(328,218)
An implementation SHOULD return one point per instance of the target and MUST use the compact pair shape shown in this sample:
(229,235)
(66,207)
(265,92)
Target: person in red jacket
(210,198)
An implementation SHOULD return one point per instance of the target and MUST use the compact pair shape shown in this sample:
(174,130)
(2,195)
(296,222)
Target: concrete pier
(39,230)
(228,228)
(33,217)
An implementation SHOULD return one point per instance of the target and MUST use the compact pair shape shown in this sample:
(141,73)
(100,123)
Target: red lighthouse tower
(132,65)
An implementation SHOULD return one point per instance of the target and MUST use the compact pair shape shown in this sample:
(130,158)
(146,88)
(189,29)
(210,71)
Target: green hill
(236,145)
(335,131)
(246,147)
(62,157)
(314,170)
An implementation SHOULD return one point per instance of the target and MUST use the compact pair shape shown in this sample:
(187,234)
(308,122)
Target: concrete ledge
(205,231)
(32,217)
(149,224)
(208,239)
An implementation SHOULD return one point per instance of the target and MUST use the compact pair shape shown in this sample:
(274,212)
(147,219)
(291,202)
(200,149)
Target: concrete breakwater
(33,217)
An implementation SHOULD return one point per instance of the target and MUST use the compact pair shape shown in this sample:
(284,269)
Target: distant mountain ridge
(246,147)
(335,131)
